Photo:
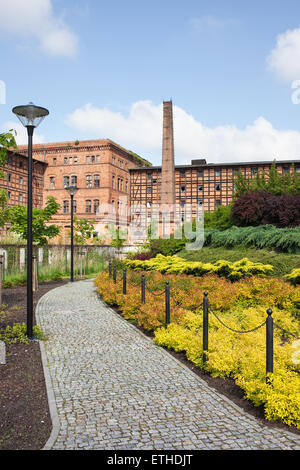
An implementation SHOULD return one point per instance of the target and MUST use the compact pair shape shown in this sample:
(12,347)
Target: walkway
(110,387)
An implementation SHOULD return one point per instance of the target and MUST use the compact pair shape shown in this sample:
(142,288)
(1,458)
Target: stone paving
(111,388)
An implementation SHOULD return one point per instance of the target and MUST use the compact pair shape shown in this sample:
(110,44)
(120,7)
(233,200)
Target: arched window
(96,206)
(88,206)
(96,181)
(88,179)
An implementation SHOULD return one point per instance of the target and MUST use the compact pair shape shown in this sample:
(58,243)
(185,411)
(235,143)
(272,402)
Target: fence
(268,323)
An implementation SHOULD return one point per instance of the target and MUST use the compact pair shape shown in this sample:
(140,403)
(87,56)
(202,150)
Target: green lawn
(283,263)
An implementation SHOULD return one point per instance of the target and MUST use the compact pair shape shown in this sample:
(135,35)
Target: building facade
(15,181)
(100,171)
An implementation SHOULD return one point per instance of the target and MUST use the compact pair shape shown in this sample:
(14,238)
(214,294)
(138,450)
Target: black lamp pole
(30,130)
(30,116)
(72,190)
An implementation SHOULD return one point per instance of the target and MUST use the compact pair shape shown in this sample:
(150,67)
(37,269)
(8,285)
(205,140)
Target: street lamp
(72,189)
(30,116)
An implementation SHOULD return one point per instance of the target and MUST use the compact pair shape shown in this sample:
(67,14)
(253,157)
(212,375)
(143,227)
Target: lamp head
(30,115)
(72,189)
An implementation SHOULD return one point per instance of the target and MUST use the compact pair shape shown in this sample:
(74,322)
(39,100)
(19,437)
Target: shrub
(177,265)
(294,276)
(262,207)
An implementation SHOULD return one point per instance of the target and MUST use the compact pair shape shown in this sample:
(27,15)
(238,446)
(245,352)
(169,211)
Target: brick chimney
(167,167)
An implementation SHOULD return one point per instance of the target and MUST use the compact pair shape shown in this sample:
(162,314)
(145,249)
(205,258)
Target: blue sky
(104,68)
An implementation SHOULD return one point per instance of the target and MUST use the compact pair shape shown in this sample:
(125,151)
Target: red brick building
(100,171)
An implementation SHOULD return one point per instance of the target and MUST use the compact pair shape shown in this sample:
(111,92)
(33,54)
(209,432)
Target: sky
(103,70)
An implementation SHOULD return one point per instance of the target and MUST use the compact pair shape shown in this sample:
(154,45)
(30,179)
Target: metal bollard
(143,296)
(124,281)
(115,274)
(167,302)
(110,269)
(269,344)
(1,263)
(205,326)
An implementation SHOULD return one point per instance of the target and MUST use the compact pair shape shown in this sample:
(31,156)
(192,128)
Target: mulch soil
(25,422)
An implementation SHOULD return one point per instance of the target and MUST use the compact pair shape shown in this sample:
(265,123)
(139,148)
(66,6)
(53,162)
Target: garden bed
(25,422)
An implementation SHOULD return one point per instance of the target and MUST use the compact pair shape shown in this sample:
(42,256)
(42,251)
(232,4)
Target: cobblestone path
(110,387)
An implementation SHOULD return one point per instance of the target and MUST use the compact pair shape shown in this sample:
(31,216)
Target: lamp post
(30,116)
(72,190)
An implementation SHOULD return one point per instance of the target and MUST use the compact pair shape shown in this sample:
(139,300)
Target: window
(182,189)
(70,160)
(66,207)
(200,202)
(8,177)
(182,173)
(96,206)
(118,184)
(218,202)
(96,181)
(97,158)
(52,182)
(88,206)
(218,187)
(113,160)
(8,194)
(113,182)
(126,186)
(254,171)
(285,169)
(217,173)
(65,160)
(236,171)
(9,160)
(20,198)
(149,175)
(54,161)
(87,159)
(200,187)
(298,169)
(74,206)
(74,180)
(93,158)
(20,180)
(75,160)
(66,181)
(149,190)
(88,180)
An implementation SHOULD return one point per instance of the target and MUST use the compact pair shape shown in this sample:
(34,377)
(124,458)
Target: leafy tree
(41,232)
(118,237)
(83,230)
(220,218)
(273,182)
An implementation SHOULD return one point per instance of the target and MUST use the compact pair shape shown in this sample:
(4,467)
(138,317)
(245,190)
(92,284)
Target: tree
(273,182)
(41,232)
(83,230)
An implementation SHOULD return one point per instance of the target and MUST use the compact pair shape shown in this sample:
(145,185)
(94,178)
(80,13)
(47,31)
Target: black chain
(236,331)
(288,332)
(184,308)
(152,292)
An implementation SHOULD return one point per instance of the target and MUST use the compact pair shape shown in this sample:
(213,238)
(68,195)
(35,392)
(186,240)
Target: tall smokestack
(167,168)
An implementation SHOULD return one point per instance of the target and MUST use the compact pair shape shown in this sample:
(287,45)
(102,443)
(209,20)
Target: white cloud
(284,59)
(141,131)
(21,137)
(35,19)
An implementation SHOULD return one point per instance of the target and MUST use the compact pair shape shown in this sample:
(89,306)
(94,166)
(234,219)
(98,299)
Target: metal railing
(206,309)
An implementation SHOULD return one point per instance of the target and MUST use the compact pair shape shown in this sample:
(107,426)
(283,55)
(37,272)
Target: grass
(283,263)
